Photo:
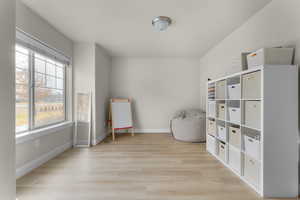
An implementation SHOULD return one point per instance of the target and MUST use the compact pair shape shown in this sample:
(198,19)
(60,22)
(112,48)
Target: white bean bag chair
(189,125)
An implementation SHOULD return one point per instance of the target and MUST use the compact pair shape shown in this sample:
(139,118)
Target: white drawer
(251,170)
(234,114)
(221,111)
(252,114)
(235,137)
(212,109)
(211,144)
(211,128)
(252,147)
(222,133)
(251,85)
(220,89)
(234,159)
(222,151)
(270,56)
(234,91)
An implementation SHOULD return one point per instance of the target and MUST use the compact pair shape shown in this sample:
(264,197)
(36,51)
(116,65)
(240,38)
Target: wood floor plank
(146,166)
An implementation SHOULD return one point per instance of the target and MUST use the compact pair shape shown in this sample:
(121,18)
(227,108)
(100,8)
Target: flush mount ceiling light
(161,23)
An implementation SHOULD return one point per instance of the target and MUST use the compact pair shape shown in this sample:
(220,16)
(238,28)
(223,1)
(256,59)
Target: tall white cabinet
(252,127)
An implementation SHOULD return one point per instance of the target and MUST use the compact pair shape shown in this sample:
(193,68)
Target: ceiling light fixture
(161,23)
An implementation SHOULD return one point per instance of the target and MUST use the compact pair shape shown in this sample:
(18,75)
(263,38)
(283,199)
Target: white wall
(29,152)
(84,67)
(84,79)
(33,153)
(29,22)
(103,63)
(277,24)
(91,74)
(158,86)
(7,99)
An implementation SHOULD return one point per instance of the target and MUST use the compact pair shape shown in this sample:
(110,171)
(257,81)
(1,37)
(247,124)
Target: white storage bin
(265,56)
(234,159)
(212,109)
(222,133)
(235,137)
(222,151)
(234,114)
(252,147)
(251,85)
(251,170)
(221,111)
(211,144)
(234,91)
(253,114)
(211,128)
(220,89)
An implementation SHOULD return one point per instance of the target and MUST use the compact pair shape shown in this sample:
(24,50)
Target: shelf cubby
(251,114)
(233,88)
(234,111)
(221,109)
(221,130)
(221,89)
(258,114)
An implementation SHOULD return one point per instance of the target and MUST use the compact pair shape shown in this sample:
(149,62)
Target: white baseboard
(99,139)
(94,142)
(82,142)
(28,167)
(163,130)
(166,130)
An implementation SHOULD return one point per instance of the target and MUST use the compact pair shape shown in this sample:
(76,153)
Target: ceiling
(123,27)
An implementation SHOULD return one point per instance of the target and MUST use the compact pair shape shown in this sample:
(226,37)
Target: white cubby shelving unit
(252,127)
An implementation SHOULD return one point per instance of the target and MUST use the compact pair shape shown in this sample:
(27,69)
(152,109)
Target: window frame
(31,92)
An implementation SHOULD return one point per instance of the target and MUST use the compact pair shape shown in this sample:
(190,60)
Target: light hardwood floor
(143,167)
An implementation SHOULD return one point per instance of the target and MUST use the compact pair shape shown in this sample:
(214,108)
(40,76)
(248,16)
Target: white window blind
(34,44)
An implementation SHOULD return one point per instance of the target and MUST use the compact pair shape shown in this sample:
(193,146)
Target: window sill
(31,135)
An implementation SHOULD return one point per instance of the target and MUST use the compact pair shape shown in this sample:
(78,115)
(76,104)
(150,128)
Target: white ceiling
(123,27)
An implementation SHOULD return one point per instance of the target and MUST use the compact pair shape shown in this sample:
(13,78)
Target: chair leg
(132,132)
(113,134)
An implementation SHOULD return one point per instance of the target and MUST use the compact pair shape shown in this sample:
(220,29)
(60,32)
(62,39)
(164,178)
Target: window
(22,89)
(40,90)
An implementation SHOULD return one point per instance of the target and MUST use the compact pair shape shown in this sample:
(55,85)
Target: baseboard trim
(94,141)
(99,139)
(28,167)
(166,130)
